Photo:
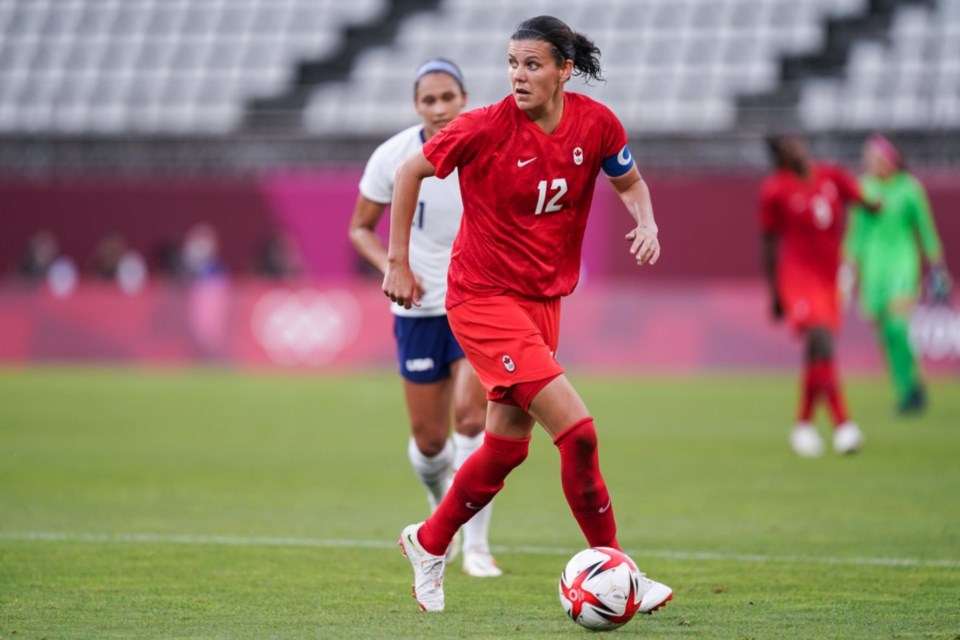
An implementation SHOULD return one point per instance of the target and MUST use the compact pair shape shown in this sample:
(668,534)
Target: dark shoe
(914,403)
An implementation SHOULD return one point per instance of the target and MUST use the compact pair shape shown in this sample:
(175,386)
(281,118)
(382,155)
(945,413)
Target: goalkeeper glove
(939,284)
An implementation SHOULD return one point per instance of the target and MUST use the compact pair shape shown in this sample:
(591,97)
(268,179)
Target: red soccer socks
(481,478)
(476,483)
(583,485)
(820,379)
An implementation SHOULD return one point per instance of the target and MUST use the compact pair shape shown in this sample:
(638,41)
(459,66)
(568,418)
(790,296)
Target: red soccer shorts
(811,303)
(509,341)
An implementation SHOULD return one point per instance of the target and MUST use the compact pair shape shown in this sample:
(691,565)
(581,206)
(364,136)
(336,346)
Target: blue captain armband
(617,165)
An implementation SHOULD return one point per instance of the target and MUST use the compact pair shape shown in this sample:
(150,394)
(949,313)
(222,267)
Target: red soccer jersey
(806,217)
(526,195)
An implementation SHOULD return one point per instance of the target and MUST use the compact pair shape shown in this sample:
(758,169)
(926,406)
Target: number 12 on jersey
(559,185)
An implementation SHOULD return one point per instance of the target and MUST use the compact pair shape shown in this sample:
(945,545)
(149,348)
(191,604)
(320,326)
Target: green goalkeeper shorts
(886,284)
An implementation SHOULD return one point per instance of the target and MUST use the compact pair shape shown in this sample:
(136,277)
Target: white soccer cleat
(806,441)
(847,438)
(427,570)
(480,564)
(655,595)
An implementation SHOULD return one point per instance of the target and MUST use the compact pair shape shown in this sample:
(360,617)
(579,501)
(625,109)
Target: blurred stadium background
(176,176)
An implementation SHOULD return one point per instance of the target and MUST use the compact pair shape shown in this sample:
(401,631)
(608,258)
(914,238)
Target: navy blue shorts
(425,348)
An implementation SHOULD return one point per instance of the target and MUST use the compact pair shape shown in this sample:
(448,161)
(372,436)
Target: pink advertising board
(336,325)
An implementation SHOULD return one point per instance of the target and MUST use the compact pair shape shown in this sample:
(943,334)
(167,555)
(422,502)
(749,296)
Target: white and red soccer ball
(600,588)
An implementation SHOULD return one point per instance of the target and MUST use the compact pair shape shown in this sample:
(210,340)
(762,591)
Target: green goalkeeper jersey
(886,246)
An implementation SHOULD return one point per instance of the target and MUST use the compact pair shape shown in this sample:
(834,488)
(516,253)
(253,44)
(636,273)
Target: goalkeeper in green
(883,254)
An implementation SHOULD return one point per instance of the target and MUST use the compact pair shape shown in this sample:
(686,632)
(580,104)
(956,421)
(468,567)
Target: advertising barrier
(337,325)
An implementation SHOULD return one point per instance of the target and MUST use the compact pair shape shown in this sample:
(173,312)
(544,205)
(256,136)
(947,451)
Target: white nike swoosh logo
(606,508)
(523,163)
(472,506)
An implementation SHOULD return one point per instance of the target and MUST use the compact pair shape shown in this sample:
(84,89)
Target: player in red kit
(527,168)
(801,206)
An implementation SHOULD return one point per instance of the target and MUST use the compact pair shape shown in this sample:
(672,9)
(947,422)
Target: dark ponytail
(566,43)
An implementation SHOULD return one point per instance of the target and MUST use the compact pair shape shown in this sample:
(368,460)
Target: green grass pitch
(217,504)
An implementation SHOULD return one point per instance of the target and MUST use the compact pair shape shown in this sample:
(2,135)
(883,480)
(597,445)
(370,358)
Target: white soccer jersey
(435,223)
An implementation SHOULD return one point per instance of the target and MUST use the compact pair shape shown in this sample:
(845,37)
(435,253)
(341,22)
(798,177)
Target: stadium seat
(672,66)
(160,66)
(904,83)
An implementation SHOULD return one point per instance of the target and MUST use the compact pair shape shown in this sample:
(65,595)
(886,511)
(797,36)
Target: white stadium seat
(673,66)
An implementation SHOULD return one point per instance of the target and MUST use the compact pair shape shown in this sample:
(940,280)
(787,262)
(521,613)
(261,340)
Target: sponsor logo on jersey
(508,364)
(419,364)
(578,156)
(523,163)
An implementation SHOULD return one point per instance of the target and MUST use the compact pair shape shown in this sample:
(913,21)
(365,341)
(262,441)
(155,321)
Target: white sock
(476,530)
(433,472)
(463,447)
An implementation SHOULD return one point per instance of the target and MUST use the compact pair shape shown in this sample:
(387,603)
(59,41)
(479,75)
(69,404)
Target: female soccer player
(800,209)
(527,169)
(885,253)
(435,373)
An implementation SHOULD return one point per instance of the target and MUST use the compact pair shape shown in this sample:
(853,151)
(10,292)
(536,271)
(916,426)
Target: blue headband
(442,66)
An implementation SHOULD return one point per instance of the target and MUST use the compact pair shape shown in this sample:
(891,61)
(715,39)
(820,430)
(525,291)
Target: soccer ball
(600,588)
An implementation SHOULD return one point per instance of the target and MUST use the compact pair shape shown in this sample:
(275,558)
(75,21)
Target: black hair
(796,160)
(775,145)
(566,43)
(774,149)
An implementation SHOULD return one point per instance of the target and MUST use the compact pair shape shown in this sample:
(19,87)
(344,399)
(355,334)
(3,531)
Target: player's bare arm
(770,250)
(633,192)
(873,205)
(399,282)
(363,235)
(870,203)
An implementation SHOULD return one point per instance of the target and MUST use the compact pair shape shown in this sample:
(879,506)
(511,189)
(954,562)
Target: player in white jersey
(437,379)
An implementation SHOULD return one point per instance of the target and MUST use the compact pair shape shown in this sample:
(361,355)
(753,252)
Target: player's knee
(580,440)
(583,485)
(892,327)
(585,440)
(469,420)
(430,442)
(502,455)
(819,344)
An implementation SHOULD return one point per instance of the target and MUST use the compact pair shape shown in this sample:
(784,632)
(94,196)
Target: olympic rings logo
(935,332)
(305,327)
